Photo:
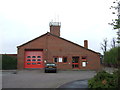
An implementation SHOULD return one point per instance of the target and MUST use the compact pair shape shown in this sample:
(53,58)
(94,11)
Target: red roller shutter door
(33,59)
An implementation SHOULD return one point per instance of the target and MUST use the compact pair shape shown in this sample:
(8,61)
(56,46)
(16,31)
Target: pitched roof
(32,40)
(60,38)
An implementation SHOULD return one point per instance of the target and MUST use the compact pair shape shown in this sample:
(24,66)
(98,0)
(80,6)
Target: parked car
(50,67)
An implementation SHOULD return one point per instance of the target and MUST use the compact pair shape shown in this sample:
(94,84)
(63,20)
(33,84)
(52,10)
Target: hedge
(9,62)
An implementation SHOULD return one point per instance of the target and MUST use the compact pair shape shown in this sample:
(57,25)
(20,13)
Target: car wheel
(55,71)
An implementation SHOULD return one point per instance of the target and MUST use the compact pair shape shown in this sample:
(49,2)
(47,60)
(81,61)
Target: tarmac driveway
(39,79)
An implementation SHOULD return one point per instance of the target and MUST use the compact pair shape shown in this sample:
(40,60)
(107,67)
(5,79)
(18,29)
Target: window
(64,59)
(38,56)
(75,59)
(28,57)
(28,63)
(84,64)
(76,66)
(84,57)
(38,63)
(38,60)
(33,56)
(55,59)
(28,60)
(33,63)
(33,60)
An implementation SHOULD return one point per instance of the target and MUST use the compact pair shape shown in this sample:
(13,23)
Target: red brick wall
(55,30)
(39,43)
(54,46)
(59,47)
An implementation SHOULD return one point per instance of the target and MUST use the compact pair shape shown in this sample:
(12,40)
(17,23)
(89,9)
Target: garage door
(33,59)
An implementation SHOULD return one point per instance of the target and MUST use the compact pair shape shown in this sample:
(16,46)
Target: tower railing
(55,24)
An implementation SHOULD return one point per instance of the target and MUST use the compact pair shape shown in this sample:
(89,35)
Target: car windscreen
(50,64)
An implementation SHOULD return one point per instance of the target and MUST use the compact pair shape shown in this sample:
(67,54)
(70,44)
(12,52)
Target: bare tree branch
(113,42)
(104,45)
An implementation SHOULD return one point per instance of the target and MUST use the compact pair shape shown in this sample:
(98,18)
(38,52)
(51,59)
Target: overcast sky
(24,20)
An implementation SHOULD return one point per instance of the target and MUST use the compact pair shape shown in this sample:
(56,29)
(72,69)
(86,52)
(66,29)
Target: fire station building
(51,48)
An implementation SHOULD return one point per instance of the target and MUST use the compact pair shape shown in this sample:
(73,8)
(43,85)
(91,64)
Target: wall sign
(60,59)
(84,64)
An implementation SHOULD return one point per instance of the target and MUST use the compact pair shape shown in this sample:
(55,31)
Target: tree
(104,45)
(116,22)
(118,41)
(111,56)
(116,25)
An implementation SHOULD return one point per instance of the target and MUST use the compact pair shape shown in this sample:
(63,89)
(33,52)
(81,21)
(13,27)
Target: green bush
(104,80)
(9,62)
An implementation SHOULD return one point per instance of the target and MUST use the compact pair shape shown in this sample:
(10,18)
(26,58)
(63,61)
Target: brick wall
(54,46)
